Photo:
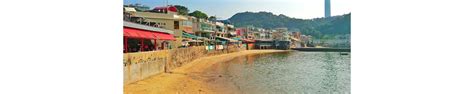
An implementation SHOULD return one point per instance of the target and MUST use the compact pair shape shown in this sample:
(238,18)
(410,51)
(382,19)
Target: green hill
(318,27)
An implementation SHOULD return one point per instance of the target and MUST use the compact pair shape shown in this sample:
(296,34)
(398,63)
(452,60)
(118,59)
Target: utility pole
(166,2)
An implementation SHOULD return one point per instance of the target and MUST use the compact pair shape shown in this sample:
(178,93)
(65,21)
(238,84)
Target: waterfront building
(263,39)
(281,38)
(234,34)
(295,38)
(187,30)
(264,44)
(220,29)
(295,43)
(204,28)
(246,36)
(189,37)
(187,25)
(263,34)
(221,33)
(138,37)
(281,34)
(296,35)
(230,31)
(167,18)
(248,33)
(305,40)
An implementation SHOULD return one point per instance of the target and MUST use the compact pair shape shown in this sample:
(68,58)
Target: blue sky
(223,9)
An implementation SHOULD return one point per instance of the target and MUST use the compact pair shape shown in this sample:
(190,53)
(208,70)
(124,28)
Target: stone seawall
(193,77)
(141,65)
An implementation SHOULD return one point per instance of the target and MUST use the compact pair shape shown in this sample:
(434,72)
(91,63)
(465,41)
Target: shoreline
(184,80)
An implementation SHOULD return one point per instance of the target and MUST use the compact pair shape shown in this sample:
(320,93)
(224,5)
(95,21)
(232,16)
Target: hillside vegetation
(318,27)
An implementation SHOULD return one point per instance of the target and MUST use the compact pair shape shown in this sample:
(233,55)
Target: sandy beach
(190,78)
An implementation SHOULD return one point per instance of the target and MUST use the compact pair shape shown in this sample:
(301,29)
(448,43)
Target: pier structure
(323,49)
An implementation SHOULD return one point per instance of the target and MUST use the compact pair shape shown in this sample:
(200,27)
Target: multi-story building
(166,17)
(281,38)
(204,28)
(220,29)
(281,34)
(263,34)
(296,35)
(306,40)
(229,30)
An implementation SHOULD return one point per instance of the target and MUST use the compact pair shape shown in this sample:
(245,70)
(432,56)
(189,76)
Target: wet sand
(191,78)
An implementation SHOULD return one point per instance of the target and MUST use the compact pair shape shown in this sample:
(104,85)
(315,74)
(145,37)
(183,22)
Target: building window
(176,24)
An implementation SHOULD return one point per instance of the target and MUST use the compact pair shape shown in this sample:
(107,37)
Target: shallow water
(289,72)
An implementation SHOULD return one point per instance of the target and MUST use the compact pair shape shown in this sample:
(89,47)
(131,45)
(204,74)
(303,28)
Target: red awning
(138,33)
(164,36)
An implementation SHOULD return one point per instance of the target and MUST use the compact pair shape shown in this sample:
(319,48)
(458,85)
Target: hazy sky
(224,9)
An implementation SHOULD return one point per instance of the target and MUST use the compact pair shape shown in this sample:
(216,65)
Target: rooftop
(152,15)
(145,27)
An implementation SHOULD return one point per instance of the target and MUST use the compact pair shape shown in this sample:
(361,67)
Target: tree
(198,14)
(212,18)
(138,7)
(182,10)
